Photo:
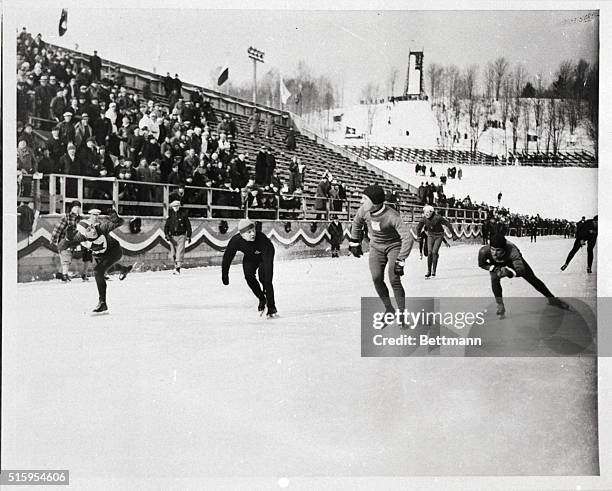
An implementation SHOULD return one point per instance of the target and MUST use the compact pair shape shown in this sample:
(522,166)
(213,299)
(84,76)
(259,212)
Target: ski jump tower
(414,76)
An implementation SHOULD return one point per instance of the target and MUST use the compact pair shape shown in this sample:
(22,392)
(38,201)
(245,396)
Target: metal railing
(52,192)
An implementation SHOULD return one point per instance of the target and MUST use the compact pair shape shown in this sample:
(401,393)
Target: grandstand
(318,159)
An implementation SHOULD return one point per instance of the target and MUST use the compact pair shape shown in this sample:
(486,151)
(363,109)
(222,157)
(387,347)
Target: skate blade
(273,316)
(96,314)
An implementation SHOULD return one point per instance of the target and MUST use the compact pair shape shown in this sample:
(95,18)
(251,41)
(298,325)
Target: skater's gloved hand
(505,272)
(188,240)
(455,237)
(399,268)
(582,242)
(167,238)
(225,279)
(355,249)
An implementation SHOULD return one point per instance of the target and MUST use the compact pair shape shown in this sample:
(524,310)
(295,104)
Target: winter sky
(352,47)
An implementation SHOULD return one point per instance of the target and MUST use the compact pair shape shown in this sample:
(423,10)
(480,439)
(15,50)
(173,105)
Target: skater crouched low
(503,259)
(258,257)
(95,236)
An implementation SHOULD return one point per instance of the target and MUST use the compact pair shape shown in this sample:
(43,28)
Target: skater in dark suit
(586,234)
(258,257)
(105,249)
(502,259)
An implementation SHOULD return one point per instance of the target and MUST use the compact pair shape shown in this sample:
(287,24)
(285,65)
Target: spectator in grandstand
(69,162)
(422,193)
(26,160)
(239,173)
(295,177)
(102,128)
(83,131)
(86,157)
(95,65)
(253,122)
(177,84)
(175,176)
(27,136)
(290,140)
(459,173)
(269,126)
(322,195)
(261,166)
(58,104)
(44,94)
(270,165)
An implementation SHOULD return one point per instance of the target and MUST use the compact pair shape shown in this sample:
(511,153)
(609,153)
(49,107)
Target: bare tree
(392,80)
(370,94)
(518,81)
(538,110)
(500,70)
(434,73)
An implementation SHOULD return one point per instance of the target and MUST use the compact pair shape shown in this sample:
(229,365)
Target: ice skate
(564,267)
(272,314)
(557,302)
(124,271)
(262,306)
(100,309)
(501,310)
(589,270)
(84,277)
(428,275)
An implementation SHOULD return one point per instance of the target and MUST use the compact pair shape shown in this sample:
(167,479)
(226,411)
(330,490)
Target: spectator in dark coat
(177,84)
(336,236)
(290,140)
(95,65)
(322,195)
(270,166)
(261,167)
(167,83)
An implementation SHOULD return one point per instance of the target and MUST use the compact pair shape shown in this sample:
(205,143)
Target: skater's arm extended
(112,222)
(449,226)
(228,257)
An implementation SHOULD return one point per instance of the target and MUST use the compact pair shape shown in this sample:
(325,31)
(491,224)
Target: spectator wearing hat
(175,177)
(135,142)
(261,166)
(177,84)
(253,122)
(67,132)
(102,128)
(58,105)
(177,231)
(87,158)
(322,195)
(258,258)
(167,83)
(95,65)
(83,131)
(336,236)
(270,165)
(269,126)
(58,238)
(27,135)
(44,94)
(290,140)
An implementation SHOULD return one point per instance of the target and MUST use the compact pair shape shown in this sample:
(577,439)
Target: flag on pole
(223,75)
(284,91)
(63,23)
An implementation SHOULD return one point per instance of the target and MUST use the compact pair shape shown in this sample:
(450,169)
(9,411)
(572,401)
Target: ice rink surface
(183,378)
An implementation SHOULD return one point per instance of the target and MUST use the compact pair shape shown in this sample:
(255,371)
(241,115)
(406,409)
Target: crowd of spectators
(101,129)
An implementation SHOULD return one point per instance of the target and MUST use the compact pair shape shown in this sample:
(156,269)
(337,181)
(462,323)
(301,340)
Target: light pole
(256,56)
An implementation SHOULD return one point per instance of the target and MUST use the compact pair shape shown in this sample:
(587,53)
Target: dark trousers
(529,276)
(264,266)
(378,261)
(533,236)
(433,247)
(423,244)
(103,264)
(576,248)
